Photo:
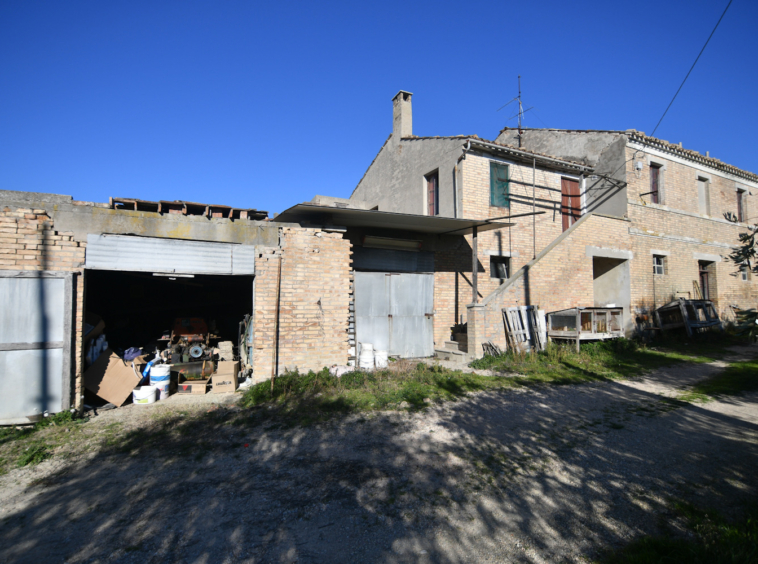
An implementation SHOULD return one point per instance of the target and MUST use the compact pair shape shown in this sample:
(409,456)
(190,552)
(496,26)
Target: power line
(692,67)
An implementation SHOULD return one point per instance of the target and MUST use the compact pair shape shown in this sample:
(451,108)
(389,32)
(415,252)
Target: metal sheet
(243,259)
(412,321)
(393,312)
(31,310)
(30,384)
(386,260)
(152,254)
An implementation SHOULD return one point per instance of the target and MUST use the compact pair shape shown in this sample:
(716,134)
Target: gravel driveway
(545,475)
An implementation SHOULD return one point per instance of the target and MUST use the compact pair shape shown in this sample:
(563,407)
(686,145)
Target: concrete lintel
(660,252)
(501,253)
(592,251)
(706,256)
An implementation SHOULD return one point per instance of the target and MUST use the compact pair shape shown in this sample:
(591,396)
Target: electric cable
(692,67)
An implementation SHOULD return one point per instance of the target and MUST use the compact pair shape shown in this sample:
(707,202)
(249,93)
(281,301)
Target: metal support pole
(474,266)
(534,208)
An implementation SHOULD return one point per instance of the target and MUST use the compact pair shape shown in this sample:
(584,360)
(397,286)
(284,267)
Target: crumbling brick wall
(314,302)
(560,279)
(29,241)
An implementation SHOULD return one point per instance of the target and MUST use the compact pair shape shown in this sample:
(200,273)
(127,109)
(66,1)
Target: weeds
(738,377)
(24,445)
(34,454)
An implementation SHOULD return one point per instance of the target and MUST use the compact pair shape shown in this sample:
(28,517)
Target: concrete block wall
(29,241)
(314,302)
(561,278)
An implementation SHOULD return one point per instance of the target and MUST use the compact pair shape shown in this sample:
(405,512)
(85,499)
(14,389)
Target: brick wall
(453,285)
(560,279)
(314,302)
(682,236)
(29,241)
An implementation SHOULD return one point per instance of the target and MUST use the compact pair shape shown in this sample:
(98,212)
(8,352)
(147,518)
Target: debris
(694,315)
(111,378)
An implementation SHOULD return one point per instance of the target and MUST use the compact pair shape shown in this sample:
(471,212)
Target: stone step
(447,354)
(456,346)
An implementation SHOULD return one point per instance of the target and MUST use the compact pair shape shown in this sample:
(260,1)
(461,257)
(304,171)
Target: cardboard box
(228,367)
(223,383)
(195,387)
(111,378)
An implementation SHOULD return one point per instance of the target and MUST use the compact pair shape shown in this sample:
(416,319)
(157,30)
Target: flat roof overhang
(348,217)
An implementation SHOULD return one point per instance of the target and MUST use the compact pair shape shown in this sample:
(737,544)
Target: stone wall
(29,241)
(314,302)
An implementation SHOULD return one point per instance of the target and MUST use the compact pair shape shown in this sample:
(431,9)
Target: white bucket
(366,359)
(381,359)
(162,387)
(160,373)
(143,395)
(367,347)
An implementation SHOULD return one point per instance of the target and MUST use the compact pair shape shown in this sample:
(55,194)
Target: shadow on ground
(544,475)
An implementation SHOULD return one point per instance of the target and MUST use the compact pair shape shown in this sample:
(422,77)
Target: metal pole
(534,208)
(474,266)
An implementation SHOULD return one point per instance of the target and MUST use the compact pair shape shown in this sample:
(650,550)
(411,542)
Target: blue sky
(264,105)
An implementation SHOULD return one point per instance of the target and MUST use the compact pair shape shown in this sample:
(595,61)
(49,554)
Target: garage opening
(139,308)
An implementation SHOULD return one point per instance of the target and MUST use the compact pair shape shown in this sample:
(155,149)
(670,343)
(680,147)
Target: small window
(659,264)
(745,272)
(499,189)
(741,207)
(655,183)
(433,193)
(500,267)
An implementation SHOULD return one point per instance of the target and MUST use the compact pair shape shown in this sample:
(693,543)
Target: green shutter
(499,185)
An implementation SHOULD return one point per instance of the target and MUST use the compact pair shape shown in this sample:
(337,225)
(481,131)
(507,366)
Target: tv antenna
(521,111)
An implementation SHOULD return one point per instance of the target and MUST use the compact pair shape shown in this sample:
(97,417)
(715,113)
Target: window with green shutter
(499,185)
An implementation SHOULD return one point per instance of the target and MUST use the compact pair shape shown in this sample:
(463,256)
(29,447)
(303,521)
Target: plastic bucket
(381,359)
(160,373)
(366,359)
(162,387)
(142,395)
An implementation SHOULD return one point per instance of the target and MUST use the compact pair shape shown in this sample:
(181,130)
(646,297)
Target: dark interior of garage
(139,308)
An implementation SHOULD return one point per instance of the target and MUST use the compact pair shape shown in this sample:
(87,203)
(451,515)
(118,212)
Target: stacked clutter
(225,350)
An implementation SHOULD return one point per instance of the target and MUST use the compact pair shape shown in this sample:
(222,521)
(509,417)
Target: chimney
(402,120)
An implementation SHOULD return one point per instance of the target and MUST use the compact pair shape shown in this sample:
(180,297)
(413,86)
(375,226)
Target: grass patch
(318,395)
(713,540)
(737,378)
(32,444)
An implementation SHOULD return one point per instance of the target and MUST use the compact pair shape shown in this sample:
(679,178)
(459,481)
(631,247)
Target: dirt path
(546,475)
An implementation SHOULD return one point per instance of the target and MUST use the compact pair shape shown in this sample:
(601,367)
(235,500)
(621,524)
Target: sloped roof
(660,144)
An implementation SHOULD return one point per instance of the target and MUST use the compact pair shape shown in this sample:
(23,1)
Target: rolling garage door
(169,256)
(35,344)
(394,312)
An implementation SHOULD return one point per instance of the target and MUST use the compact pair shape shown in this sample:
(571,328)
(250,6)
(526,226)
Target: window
(500,267)
(741,207)
(703,196)
(745,272)
(655,183)
(499,189)
(659,264)
(433,193)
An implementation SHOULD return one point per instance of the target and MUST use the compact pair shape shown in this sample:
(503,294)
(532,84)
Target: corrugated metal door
(171,256)
(394,312)
(35,339)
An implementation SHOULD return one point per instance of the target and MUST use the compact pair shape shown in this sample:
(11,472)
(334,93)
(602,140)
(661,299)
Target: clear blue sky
(267,104)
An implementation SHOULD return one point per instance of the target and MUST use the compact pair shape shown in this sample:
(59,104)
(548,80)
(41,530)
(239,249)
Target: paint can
(143,395)
(381,359)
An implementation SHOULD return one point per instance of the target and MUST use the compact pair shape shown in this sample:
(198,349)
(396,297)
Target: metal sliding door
(35,344)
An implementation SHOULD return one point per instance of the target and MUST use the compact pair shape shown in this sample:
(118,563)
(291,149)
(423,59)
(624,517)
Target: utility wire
(692,67)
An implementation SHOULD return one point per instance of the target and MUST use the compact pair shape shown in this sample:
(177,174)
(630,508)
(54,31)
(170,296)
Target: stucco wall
(395,180)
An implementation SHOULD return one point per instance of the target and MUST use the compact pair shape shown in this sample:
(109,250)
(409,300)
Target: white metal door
(35,339)
(394,312)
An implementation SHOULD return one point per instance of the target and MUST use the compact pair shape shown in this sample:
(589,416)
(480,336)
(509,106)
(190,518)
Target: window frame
(500,260)
(434,175)
(741,205)
(662,265)
(507,196)
(745,272)
(662,167)
(655,195)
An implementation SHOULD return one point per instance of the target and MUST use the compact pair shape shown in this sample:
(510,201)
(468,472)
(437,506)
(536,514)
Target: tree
(744,256)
